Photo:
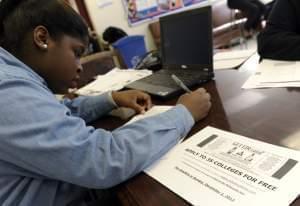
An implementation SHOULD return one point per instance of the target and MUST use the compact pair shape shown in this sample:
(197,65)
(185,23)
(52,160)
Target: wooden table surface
(271,115)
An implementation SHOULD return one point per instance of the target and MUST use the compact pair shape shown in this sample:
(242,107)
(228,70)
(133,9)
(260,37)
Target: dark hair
(18,17)
(113,34)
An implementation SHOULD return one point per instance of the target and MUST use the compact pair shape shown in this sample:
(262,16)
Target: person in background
(48,154)
(253,9)
(93,45)
(112,34)
(280,40)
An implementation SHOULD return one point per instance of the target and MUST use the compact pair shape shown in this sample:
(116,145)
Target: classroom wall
(113,14)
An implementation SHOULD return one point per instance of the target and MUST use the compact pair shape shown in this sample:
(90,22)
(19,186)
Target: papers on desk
(271,73)
(115,79)
(231,59)
(125,113)
(153,111)
(215,167)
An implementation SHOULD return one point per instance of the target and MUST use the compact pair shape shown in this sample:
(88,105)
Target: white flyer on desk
(215,167)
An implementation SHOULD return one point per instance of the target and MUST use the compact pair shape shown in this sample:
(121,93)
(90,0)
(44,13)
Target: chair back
(95,64)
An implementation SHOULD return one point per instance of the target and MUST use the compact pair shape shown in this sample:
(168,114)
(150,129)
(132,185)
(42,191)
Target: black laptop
(186,51)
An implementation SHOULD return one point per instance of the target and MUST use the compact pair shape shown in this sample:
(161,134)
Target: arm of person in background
(281,38)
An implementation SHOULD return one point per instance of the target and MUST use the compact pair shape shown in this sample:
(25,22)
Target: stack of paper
(271,73)
(231,59)
(116,79)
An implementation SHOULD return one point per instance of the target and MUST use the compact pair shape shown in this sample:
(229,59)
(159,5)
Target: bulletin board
(138,11)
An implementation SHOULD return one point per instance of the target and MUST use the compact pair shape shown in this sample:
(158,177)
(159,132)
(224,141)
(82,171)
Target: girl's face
(63,63)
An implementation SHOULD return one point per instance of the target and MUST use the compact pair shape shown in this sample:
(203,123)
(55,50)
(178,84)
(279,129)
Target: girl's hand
(137,100)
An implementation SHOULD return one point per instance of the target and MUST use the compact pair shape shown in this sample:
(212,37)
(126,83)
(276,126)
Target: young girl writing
(48,155)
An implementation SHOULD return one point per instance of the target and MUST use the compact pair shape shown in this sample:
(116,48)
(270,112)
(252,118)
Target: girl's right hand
(197,102)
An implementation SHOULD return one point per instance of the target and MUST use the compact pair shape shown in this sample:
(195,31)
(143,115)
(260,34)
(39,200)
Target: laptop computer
(186,51)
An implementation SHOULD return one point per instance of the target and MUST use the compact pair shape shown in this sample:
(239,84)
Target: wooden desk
(271,115)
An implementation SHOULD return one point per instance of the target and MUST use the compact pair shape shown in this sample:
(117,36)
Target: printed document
(273,73)
(215,167)
(114,80)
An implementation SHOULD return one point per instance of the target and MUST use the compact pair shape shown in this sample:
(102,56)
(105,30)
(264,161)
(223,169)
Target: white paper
(125,113)
(153,111)
(267,1)
(215,167)
(231,59)
(253,83)
(279,71)
(271,73)
(115,79)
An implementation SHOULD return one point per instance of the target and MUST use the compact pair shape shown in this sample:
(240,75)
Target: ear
(41,37)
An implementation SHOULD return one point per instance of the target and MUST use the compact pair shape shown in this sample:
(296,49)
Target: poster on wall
(142,10)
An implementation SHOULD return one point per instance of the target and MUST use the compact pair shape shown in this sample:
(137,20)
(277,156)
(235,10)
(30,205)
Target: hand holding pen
(197,102)
(180,83)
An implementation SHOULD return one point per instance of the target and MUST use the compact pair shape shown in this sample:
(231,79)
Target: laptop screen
(186,39)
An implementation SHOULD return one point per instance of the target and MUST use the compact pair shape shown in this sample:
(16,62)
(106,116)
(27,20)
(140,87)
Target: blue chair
(131,49)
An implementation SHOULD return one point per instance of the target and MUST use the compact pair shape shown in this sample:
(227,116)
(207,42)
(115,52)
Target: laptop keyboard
(163,77)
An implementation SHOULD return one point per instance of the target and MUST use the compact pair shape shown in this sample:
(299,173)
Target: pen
(180,83)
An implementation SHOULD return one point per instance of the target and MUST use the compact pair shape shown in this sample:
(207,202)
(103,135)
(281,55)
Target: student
(253,9)
(93,45)
(280,39)
(48,155)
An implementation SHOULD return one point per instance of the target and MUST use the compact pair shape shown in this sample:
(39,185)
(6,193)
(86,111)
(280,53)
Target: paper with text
(215,167)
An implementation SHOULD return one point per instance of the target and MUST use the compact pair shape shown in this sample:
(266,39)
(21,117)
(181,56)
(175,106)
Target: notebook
(186,51)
